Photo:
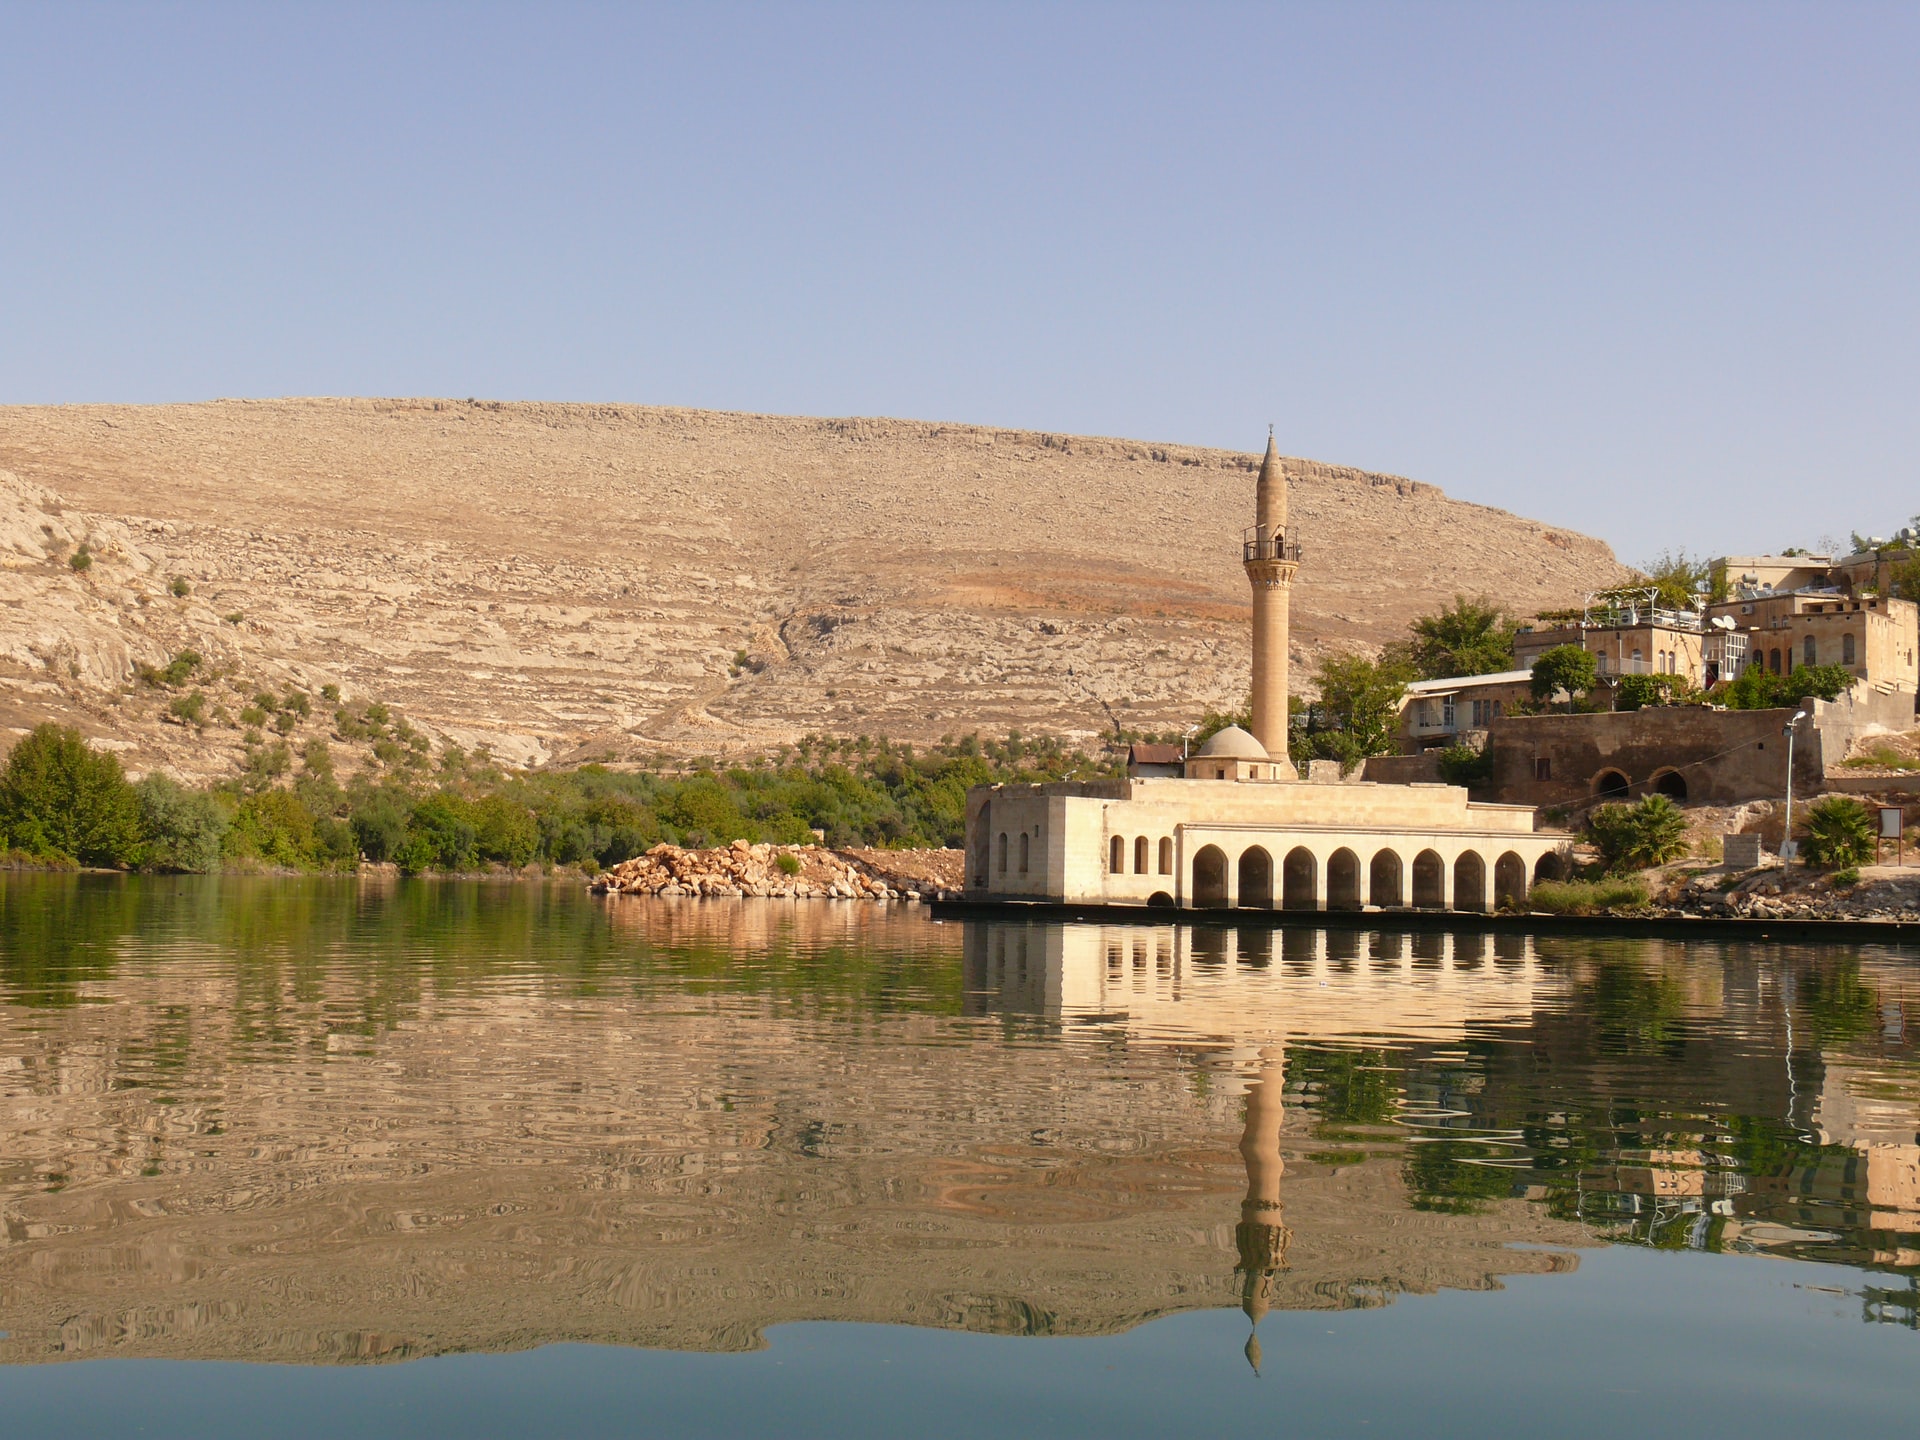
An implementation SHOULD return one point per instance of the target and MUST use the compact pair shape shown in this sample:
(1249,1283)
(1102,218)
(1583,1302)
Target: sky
(1644,271)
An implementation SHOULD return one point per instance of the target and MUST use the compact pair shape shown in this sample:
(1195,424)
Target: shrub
(788,862)
(1635,692)
(1588,897)
(1633,837)
(444,823)
(1463,765)
(272,825)
(330,694)
(1837,830)
(1845,879)
(180,669)
(505,832)
(189,709)
(295,702)
(1758,689)
(81,559)
(285,721)
(233,617)
(180,587)
(379,822)
(184,829)
(253,716)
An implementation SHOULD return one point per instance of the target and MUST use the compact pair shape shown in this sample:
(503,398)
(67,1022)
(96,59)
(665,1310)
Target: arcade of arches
(1296,878)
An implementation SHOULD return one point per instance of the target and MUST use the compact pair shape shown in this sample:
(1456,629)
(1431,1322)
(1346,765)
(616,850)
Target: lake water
(416,1158)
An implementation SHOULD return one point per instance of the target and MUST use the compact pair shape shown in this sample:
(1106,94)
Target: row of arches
(1612,784)
(1388,881)
(1809,654)
(1142,850)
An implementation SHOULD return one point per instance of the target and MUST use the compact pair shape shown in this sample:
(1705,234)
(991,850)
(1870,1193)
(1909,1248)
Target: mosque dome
(1233,743)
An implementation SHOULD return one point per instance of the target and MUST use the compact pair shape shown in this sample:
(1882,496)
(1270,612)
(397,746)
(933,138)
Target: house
(1436,714)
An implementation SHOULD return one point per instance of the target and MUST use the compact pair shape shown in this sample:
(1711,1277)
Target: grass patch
(1882,757)
(1844,879)
(1588,897)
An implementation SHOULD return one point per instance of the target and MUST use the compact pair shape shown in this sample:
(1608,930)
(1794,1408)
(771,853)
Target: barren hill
(575,581)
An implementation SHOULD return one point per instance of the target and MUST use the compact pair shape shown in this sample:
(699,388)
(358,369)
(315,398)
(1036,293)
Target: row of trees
(64,803)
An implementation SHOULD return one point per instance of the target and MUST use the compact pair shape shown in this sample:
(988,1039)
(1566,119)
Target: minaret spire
(1271,557)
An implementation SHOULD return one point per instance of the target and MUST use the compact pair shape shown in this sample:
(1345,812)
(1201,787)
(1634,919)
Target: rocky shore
(1882,893)
(789,872)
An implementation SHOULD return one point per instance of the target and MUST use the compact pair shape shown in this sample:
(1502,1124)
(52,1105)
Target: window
(1140,856)
(1542,770)
(1600,662)
(1024,840)
(1003,852)
(1116,856)
(1446,713)
(1166,855)
(1846,649)
(1773,661)
(1806,651)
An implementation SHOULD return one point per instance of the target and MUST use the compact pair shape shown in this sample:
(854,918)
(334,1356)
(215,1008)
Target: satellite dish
(1723,622)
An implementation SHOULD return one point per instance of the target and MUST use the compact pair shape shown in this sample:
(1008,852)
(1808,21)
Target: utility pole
(1788,848)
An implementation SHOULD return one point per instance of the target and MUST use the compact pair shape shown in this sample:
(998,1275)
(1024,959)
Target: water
(324,1157)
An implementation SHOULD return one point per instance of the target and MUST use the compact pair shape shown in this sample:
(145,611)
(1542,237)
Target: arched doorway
(1166,855)
(1256,879)
(1509,881)
(1386,880)
(1549,867)
(1469,881)
(1117,856)
(1140,855)
(1343,880)
(1671,783)
(1301,877)
(1429,881)
(1210,878)
(1611,785)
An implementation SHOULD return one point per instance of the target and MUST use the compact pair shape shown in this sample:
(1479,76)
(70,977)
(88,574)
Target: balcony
(1276,547)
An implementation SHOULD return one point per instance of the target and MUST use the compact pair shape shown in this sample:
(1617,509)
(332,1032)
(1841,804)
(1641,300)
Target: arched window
(1024,843)
(1140,856)
(1846,649)
(1807,651)
(1116,856)
(1773,661)
(1166,855)
(1003,852)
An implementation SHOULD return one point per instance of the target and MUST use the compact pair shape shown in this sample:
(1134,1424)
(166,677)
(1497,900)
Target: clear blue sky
(1651,271)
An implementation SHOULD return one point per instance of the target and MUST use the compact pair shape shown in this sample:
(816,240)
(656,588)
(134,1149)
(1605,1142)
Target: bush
(60,800)
(253,715)
(444,823)
(505,832)
(1633,837)
(1463,765)
(81,559)
(379,822)
(180,587)
(330,694)
(189,709)
(1845,879)
(1758,689)
(1588,897)
(1636,692)
(274,826)
(1837,830)
(788,862)
(184,829)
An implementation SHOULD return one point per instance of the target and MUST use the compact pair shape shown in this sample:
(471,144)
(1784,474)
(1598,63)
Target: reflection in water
(334,1121)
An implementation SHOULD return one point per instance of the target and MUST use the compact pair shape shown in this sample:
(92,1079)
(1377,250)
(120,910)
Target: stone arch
(1256,878)
(1429,881)
(1140,855)
(1612,785)
(1469,881)
(1300,880)
(1210,877)
(1549,867)
(1026,848)
(1670,783)
(1387,879)
(1509,881)
(1166,855)
(1003,852)
(1343,880)
(1116,856)
(1160,900)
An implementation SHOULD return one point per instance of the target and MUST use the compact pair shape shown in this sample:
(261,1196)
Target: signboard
(1788,850)
(1892,819)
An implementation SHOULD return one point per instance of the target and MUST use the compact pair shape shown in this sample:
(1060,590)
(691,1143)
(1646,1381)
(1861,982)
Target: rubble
(812,872)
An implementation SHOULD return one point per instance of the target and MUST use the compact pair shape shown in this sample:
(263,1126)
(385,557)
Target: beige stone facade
(1437,714)
(1874,637)
(1669,645)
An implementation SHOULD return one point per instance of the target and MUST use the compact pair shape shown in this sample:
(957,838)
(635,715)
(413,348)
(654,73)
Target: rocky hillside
(563,582)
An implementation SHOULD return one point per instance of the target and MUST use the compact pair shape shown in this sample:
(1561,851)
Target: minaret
(1271,557)
(1261,1236)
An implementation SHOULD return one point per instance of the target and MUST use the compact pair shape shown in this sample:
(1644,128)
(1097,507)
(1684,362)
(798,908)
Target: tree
(1634,837)
(1677,577)
(1838,830)
(1635,692)
(1758,689)
(1358,713)
(183,828)
(1564,667)
(1474,637)
(61,800)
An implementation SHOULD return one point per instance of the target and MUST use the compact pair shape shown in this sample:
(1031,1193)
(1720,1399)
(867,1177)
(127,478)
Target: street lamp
(1788,849)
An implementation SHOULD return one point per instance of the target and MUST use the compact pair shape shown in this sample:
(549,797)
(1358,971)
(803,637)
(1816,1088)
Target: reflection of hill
(383,1127)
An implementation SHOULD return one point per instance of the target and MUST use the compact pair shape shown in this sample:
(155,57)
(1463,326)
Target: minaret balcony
(1273,547)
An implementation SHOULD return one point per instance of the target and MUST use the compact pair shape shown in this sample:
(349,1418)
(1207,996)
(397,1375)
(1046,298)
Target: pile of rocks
(812,873)
(1773,895)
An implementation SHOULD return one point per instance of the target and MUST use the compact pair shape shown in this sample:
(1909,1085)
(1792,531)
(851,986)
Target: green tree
(1837,830)
(1358,712)
(504,831)
(1472,637)
(61,800)
(1758,689)
(1635,692)
(184,829)
(1634,837)
(1564,667)
(273,826)
(1677,576)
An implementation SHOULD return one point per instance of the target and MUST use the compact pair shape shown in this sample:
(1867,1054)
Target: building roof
(1142,754)
(1451,683)
(1233,743)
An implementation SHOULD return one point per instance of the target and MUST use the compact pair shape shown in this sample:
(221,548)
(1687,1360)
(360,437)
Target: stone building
(1874,637)
(1436,714)
(1239,829)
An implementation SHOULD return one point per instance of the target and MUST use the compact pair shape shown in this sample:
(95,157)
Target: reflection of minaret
(1271,557)
(1260,1236)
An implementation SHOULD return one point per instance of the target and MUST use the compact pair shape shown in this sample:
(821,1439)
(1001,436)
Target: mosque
(1239,829)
